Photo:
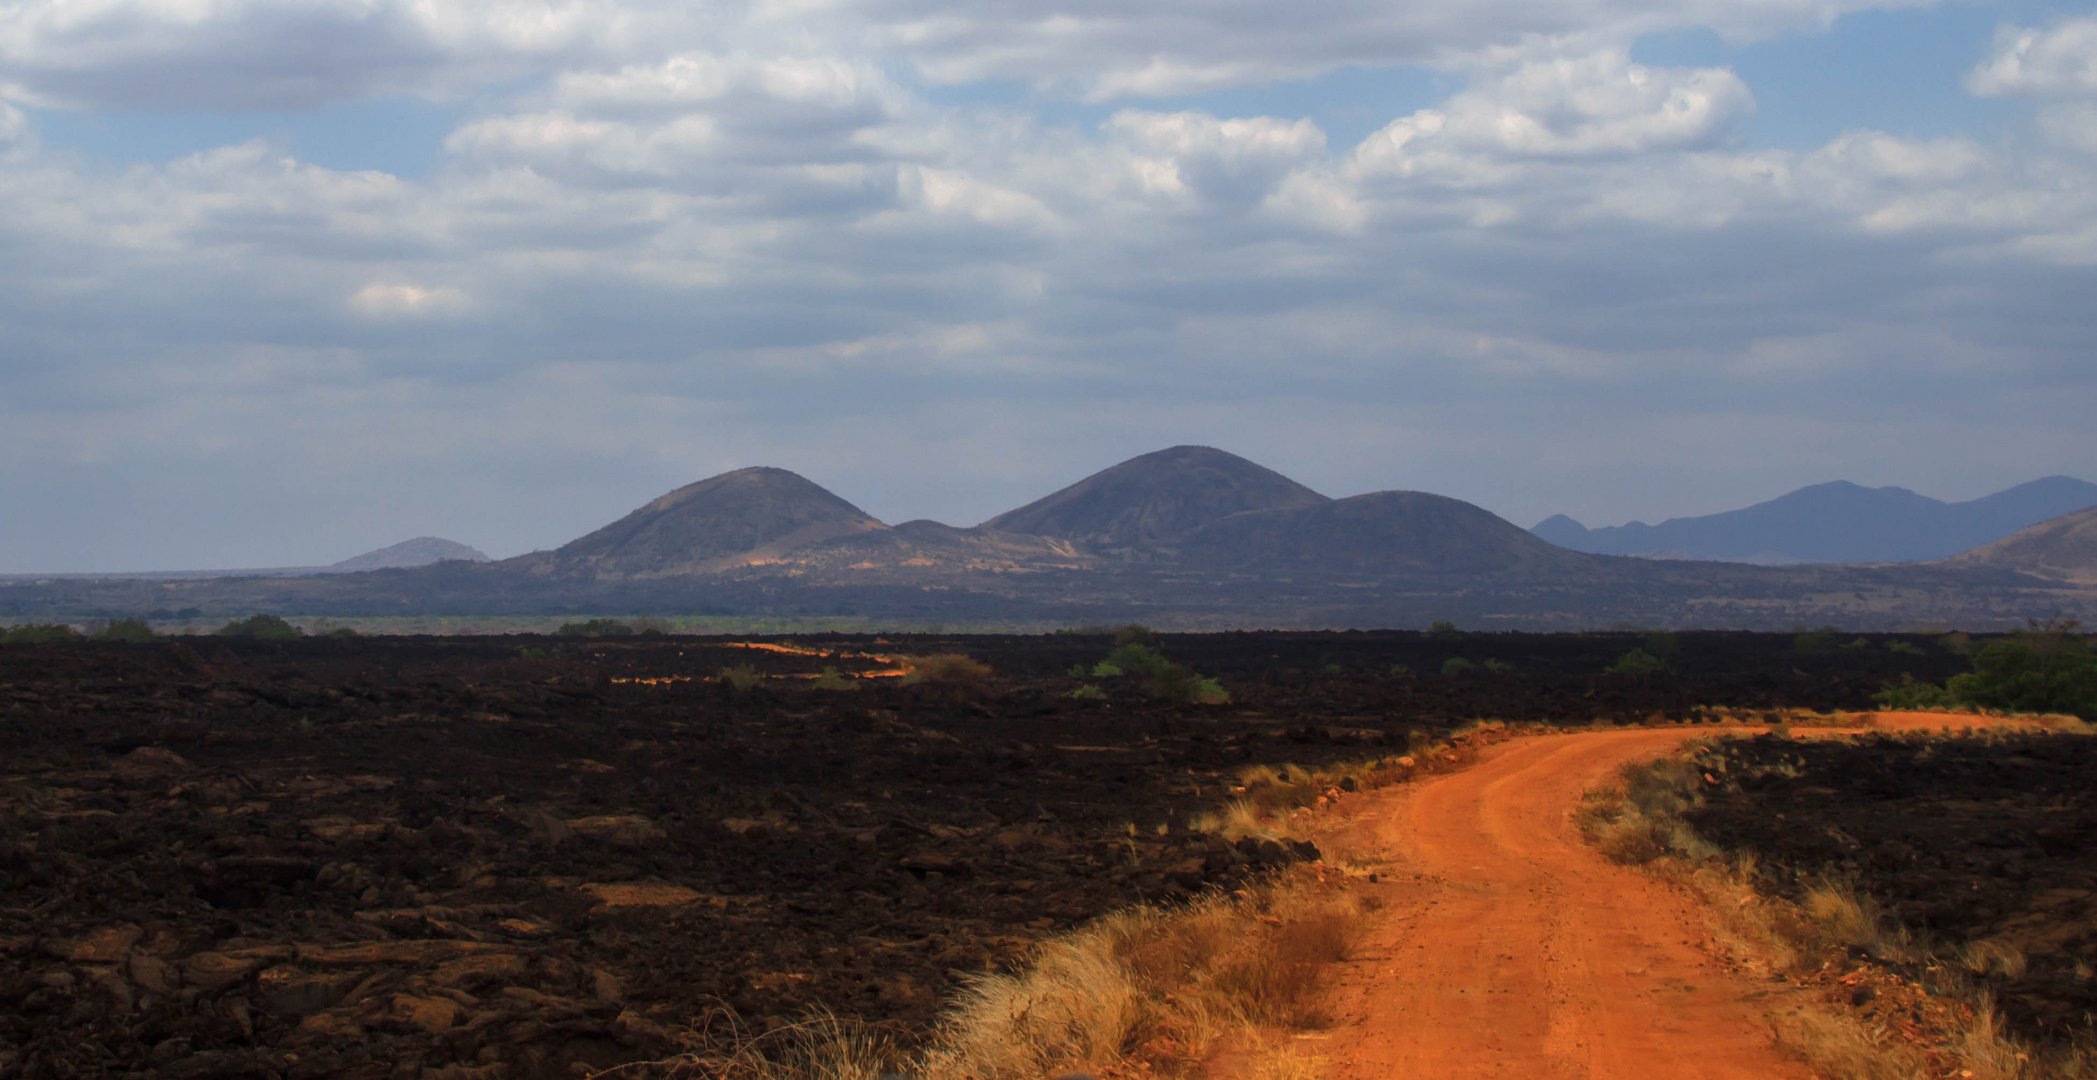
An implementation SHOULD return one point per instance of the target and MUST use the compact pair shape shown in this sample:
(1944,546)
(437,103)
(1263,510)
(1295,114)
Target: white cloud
(14,127)
(2053,62)
(1597,104)
(291,53)
(688,251)
(400,300)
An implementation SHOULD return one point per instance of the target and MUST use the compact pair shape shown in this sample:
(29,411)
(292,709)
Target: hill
(2064,548)
(744,518)
(1837,522)
(1190,537)
(421,551)
(1145,505)
(1383,534)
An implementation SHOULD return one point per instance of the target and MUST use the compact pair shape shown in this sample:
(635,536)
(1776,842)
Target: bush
(945,669)
(833,679)
(1086,692)
(1136,634)
(125,630)
(740,677)
(1814,642)
(1637,664)
(38,634)
(2047,667)
(595,628)
(264,627)
(2044,668)
(1176,682)
(1135,659)
(1498,667)
(1457,665)
(1443,630)
(1909,693)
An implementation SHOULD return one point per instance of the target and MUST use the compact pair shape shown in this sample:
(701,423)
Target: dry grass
(1162,985)
(1640,823)
(820,1047)
(945,669)
(1166,984)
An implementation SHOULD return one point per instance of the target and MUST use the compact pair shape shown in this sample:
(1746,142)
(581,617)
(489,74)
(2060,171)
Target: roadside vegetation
(2046,668)
(1885,1001)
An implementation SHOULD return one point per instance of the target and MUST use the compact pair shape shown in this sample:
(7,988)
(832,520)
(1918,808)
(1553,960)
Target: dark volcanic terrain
(1965,841)
(503,857)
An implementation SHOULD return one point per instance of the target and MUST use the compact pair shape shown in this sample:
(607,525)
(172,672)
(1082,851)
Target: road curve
(1507,947)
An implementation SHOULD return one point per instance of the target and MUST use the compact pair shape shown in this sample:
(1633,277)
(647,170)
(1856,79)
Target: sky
(285,281)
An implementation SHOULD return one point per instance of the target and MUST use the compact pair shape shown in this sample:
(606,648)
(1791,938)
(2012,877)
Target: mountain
(1837,522)
(421,551)
(1383,534)
(1146,504)
(744,518)
(1563,531)
(1190,537)
(2064,548)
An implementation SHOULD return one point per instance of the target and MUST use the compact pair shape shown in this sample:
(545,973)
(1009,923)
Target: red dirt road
(1509,948)
(1506,946)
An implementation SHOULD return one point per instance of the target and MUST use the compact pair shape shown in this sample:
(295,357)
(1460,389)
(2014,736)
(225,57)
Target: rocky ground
(1973,842)
(525,856)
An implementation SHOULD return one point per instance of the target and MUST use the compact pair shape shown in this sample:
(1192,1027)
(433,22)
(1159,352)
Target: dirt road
(1509,948)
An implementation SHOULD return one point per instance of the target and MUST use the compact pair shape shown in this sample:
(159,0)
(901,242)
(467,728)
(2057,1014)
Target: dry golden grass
(1640,823)
(945,669)
(1166,983)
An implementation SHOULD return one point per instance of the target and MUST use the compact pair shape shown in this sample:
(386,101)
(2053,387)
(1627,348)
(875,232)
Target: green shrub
(264,627)
(1662,645)
(1908,693)
(125,630)
(1904,648)
(595,628)
(38,634)
(1498,667)
(1176,682)
(1443,630)
(740,677)
(1457,665)
(1141,661)
(835,680)
(1638,664)
(1814,642)
(1086,692)
(2046,667)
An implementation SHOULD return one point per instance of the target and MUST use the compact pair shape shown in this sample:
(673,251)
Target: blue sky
(287,281)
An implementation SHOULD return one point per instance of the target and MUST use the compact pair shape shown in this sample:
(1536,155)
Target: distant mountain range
(2064,548)
(1189,536)
(421,551)
(1839,522)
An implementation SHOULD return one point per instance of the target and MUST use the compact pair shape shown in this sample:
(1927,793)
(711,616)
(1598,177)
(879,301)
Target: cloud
(680,252)
(396,300)
(276,54)
(2058,61)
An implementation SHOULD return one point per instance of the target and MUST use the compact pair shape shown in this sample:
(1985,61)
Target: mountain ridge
(1834,522)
